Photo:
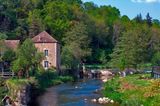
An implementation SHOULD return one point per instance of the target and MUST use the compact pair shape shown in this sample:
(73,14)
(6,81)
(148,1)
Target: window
(46,52)
(46,64)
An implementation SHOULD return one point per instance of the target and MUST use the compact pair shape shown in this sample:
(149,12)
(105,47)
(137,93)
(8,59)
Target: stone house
(46,44)
(50,47)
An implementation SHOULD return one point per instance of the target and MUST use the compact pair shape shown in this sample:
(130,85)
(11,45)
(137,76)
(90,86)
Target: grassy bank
(39,82)
(134,90)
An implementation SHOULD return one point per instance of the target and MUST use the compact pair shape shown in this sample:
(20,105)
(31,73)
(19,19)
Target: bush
(65,78)
(111,90)
(56,82)
(51,78)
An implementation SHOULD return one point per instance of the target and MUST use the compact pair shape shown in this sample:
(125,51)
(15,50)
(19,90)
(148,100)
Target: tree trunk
(20,74)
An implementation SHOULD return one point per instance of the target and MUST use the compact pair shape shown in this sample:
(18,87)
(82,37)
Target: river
(79,93)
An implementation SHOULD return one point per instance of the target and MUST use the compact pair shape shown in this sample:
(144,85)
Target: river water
(72,94)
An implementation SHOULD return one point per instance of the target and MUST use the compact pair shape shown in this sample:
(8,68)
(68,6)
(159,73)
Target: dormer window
(46,52)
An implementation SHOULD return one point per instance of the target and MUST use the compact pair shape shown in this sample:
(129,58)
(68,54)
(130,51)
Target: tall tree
(76,46)
(35,23)
(56,17)
(138,18)
(2,45)
(132,48)
(149,20)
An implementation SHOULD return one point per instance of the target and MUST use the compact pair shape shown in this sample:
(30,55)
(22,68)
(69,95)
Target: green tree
(9,55)
(27,57)
(138,18)
(2,45)
(149,19)
(76,44)
(35,23)
(56,17)
(122,56)
(156,59)
(132,48)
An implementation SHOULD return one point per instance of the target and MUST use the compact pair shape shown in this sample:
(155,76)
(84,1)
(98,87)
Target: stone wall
(53,53)
(23,96)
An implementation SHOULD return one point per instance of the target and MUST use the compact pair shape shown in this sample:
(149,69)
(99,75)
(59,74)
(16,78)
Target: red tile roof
(44,37)
(13,44)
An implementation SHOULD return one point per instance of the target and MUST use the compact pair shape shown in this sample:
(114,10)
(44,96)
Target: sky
(133,7)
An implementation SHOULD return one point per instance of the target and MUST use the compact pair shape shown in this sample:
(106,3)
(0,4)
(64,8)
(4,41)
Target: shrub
(56,82)
(51,78)
(65,78)
(111,90)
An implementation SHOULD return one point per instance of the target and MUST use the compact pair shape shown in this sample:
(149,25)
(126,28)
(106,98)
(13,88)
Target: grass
(134,90)
(14,85)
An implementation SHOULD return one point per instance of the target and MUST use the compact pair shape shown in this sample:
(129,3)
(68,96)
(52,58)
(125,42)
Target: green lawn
(134,90)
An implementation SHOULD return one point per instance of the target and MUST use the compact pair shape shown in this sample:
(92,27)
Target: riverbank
(23,91)
(133,90)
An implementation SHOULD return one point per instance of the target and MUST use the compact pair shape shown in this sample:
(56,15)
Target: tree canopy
(108,33)
(27,57)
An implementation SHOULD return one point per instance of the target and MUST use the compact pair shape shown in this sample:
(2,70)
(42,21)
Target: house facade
(46,44)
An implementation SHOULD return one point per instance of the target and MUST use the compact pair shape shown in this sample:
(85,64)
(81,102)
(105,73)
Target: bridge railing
(2,74)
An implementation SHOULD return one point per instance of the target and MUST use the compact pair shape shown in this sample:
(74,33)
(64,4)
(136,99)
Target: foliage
(105,28)
(51,78)
(110,90)
(35,23)
(156,59)
(14,85)
(9,55)
(76,46)
(127,53)
(133,90)
(17,84)
(2,45)
(27,57)
(3,90)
